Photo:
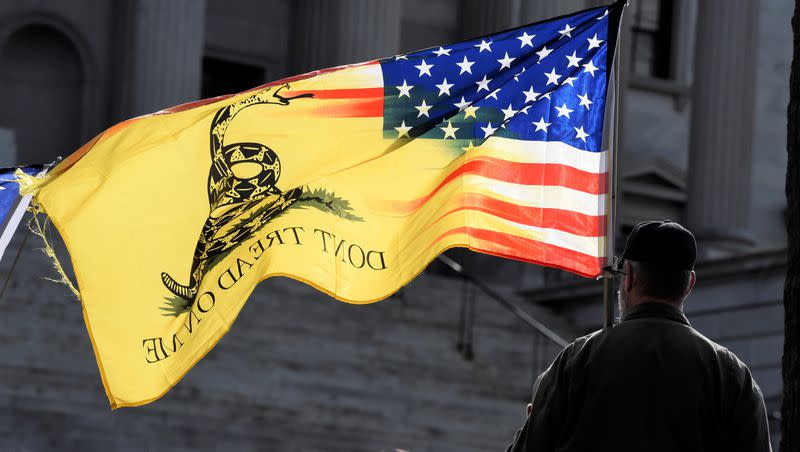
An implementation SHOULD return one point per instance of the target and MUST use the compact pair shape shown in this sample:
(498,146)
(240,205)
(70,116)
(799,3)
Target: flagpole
(611,199)
(14,264)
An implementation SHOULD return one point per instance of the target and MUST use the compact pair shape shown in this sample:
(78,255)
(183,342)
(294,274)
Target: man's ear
(692,280)
(629,277)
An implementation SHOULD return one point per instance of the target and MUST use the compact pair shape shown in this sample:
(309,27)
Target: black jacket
(651,383)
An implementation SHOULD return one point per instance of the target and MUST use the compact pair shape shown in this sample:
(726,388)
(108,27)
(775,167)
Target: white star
(442,51)
(544,52)
(545,96)
(402,131)
(594,42)
(423,109)
(541,125)
(573,60)
(405,89)
(552,77)
(585,100)
(569,81)
(530,95)
(400,57)
(567,31)
(564,111)
(493,94)
(424,68)
(525,40)
(483,84)
(605,14)
(444,87)
(449,131)
(581,134)
(484,46)
(465,66)
(488,130)
(590,68)
(524,110)
(508,112)
(461,105)
(516,76)
(505,61)
(470,112)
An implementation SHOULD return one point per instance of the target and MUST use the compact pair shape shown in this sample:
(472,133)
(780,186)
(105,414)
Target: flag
(12,204)
(350,179)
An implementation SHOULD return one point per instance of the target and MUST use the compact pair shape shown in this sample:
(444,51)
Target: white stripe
(16,217)
(592,246)
(13,222)
(544,196)
(554,152)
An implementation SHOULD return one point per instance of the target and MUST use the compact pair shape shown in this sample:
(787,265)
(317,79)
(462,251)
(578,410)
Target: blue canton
(542,82)
(9,189)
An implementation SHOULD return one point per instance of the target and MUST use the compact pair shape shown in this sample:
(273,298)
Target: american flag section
(526,106)
(520,112)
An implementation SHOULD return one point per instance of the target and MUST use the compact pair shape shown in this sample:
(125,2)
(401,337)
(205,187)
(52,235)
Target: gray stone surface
(329,33)
(721,132)
(533,11)
(8,148)
(161,48)
(252,33)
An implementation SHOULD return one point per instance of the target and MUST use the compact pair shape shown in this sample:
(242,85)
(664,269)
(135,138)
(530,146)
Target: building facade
(442,366)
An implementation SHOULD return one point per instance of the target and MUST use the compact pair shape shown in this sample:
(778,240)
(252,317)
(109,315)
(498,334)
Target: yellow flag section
(172,219)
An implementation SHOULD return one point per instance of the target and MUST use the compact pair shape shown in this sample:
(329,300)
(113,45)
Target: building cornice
(755,261)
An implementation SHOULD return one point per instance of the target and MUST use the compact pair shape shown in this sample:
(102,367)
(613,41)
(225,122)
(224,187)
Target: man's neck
(676,304)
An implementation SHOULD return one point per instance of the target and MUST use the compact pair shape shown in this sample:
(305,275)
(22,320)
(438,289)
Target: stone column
(161,51)
(538,10)
(481,17)
(330,33)
(721,137)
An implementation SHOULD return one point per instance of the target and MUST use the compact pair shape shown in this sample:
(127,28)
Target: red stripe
(357,108)
(532,251)
(549,174)
(545,174)
(563,220)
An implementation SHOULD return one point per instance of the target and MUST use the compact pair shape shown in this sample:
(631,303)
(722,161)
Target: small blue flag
(12,205)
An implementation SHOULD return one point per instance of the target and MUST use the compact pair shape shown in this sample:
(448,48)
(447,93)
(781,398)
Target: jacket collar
(657,310)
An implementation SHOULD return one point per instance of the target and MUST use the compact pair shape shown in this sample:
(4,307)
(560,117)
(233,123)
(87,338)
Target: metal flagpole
(14,264)
(611,198)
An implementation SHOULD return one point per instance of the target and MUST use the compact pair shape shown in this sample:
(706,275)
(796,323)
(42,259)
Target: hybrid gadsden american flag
(350,179)
(521,114)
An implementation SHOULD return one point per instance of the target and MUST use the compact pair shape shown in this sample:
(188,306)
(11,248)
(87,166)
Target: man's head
(657,264)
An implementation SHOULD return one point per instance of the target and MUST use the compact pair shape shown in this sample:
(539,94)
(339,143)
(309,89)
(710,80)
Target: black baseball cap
(663,245)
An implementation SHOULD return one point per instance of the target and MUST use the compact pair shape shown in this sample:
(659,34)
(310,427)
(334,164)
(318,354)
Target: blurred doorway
(41,92)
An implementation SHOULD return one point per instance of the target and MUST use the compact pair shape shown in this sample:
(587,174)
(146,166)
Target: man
(651,383)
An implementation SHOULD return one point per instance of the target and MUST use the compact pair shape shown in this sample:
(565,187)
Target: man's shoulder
(589,341)
(583,343)
(721,351)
